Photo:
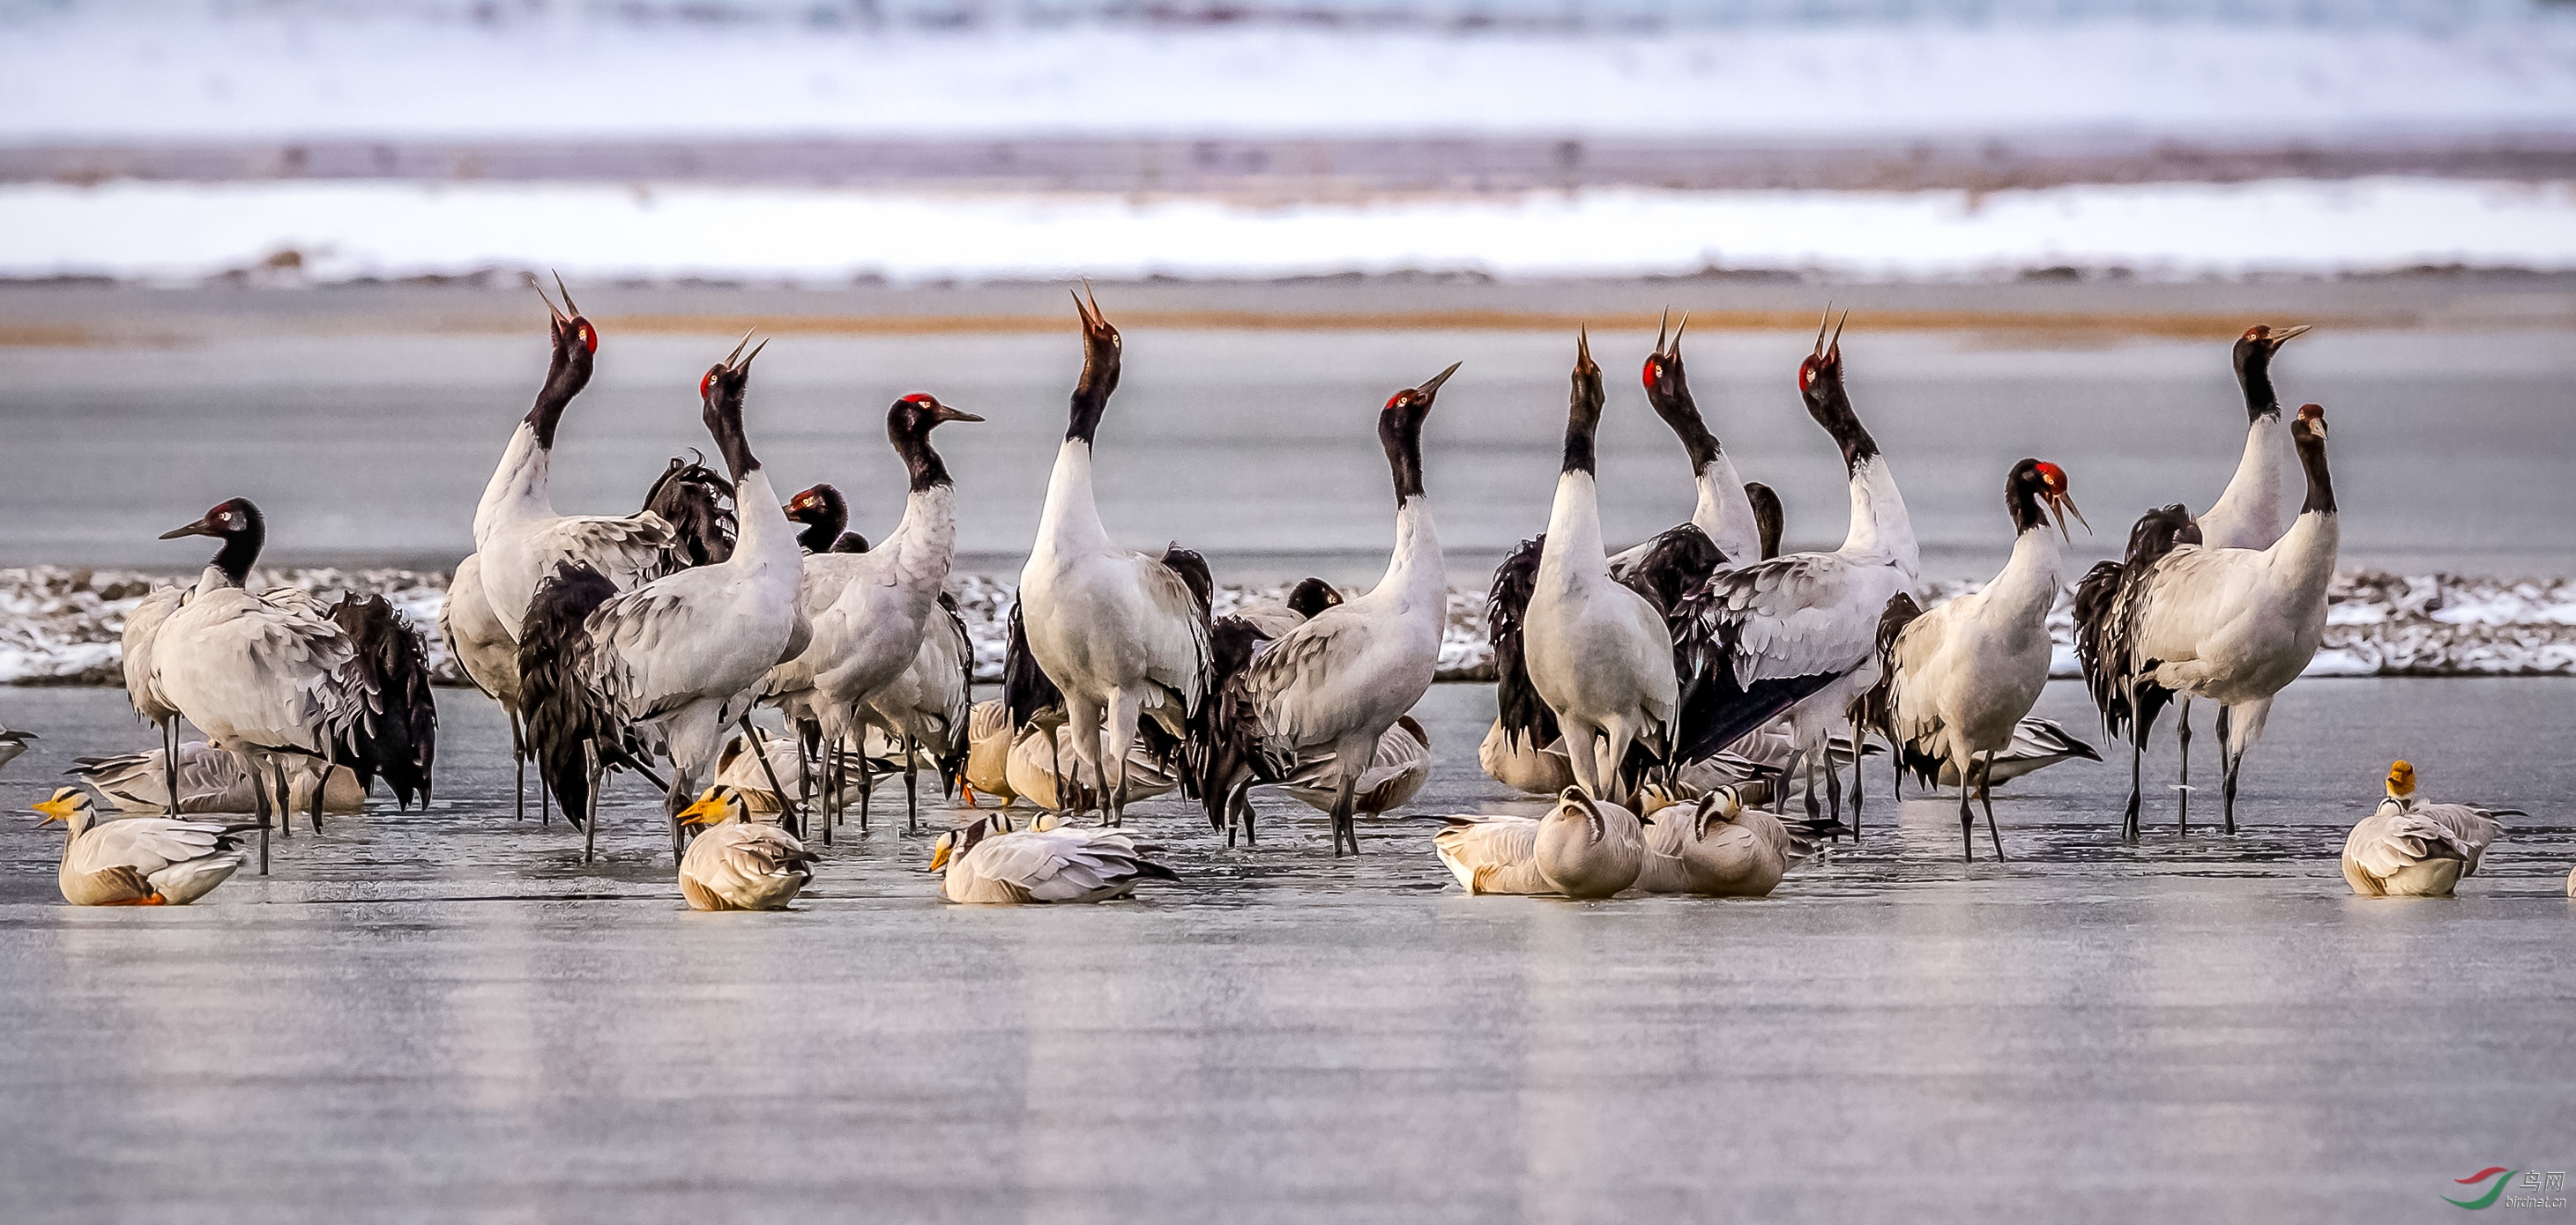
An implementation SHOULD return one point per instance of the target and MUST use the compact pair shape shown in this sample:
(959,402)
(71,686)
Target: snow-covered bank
(102,74)
(60,625)
(346,230)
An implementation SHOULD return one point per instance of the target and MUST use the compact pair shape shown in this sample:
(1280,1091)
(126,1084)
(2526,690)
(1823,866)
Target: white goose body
(2409,848)
(138,861)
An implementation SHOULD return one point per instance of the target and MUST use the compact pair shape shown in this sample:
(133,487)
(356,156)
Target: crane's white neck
(519,488)
(1574,528)
(1880,530)
(765,542)
(1725,512)
(2303,559)
(1416,574)
(2248,514)
(1071,521)
(2027,588)
(924,544)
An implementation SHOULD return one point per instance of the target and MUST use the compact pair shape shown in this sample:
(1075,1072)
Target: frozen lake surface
(447,1016)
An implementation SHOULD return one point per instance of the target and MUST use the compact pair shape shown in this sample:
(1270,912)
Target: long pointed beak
(755,352)
(1662,326)
(738,347)
(2292,332)
(1836,345)
(1821,324)
(956,414)
(198,528)
(1432,387)
(567,293)
(1582,346)
(2066,506)
(534,284)
(1678,329)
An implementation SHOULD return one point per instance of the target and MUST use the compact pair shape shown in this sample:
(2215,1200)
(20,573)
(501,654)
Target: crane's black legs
(911,785)
(285,799)
(590,817)
(2137,765)
(1967,819)
(2232,757)
(170,767)
(1857,771)
(1344,828)
(2184,731)
(258,799)
(322,787)
(519,757)
(1985,796)
(795,814)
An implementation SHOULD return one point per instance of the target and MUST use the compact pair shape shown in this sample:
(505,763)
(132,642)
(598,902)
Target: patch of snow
(99,74)
(61,625)
(346,230)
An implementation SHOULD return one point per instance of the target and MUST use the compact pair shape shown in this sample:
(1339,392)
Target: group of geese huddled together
(1658,693)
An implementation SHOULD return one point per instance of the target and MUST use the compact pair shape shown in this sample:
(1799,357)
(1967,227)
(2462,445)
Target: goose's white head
(715,806)
(69,805)
(953,845)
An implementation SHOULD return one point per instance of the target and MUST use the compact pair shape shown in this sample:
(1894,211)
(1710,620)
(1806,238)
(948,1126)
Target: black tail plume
(1225,751)
(1878,706)
(562,711)
(400,728)
(697,501)
(952,764)
(1673,565)
(1194,572)
(2108,600)
(1525,718)
(1026,689)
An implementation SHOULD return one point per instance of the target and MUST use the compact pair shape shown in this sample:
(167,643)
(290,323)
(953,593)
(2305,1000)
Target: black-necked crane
(1964,674)
(871,610)
(517,534)
(1799,635)
(693,499)
(1595,652)
(1120,635)
(926,708)
(276,679)
(2234,626)
(1725,512)
(681,656)
(1312,708)
(2248,513)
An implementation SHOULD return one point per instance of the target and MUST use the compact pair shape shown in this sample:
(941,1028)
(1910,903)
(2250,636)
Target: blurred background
(280,248)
